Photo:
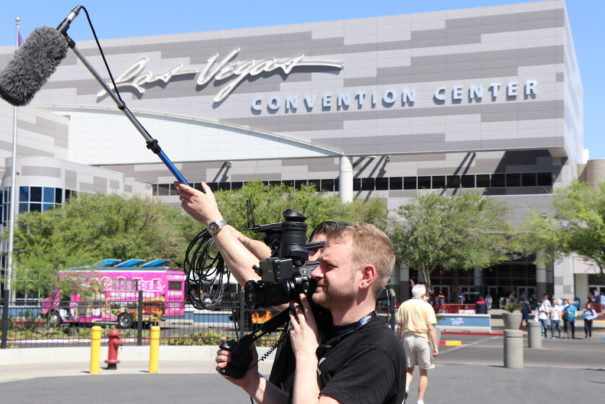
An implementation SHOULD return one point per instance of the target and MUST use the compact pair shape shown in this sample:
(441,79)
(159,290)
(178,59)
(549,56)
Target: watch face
(213,227)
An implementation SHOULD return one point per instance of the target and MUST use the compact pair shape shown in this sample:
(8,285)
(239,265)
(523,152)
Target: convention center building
(488,100)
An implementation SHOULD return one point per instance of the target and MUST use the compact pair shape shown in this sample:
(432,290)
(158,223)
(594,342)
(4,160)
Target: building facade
(486,99)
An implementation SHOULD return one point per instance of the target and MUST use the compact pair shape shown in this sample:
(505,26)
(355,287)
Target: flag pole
(11,217)
(13,197)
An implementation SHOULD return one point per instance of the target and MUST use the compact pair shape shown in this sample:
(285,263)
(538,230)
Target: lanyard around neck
(353,327)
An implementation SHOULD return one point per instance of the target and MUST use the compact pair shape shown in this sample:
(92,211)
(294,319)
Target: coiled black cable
(207,278)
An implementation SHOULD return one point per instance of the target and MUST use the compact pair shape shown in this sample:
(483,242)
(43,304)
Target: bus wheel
(54,319)
(125,320)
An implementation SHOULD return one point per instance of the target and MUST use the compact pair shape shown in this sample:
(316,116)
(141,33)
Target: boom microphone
(33,64)
(64,25)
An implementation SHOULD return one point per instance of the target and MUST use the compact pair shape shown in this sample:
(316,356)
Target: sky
(130,18)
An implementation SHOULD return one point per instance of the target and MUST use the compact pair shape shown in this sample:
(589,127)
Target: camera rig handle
(241,357)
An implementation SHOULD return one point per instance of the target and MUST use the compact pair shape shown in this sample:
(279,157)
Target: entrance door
(527,291)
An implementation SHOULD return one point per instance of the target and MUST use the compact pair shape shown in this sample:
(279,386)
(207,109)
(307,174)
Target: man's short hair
(419,291)
(326,227)
(370,246)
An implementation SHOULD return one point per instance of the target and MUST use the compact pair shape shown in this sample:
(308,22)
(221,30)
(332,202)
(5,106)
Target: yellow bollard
(95,350)
(154,348)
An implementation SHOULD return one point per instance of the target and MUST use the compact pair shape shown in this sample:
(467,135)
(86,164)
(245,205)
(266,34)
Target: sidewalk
(28,363)
(563,371)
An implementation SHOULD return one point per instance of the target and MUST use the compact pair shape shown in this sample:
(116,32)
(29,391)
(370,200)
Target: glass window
(395,183)
(22,208)
(483,181)
(356,184)
(226,186)
(513,180)
(49,195)
(367,184)
(424,182)
(23,194)
(438,181)
(290,183)
(409,182)
(528,179)
(498,180)
(453,181)
(467,181)
(236,185)
(35,194)
(47,206)
(175,285)
(299,183)
(274,183)
(315,184)
(58,195)
(382,184)
(35,207)
(163,189)
(545,179)
(213,186)
(327,185)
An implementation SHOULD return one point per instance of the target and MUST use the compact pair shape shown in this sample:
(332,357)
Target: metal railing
(180,324)
(69,323)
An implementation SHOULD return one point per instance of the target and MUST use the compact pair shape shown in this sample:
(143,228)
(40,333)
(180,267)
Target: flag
(19,38)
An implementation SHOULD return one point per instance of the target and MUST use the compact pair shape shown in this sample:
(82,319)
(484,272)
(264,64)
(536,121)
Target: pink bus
(109,293)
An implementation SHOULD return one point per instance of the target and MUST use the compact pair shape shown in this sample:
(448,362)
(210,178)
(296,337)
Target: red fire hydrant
(113,344)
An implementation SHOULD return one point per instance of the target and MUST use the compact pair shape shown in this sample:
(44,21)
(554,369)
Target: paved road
(564,371)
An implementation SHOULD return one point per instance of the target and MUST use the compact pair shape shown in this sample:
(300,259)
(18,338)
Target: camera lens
(251,292)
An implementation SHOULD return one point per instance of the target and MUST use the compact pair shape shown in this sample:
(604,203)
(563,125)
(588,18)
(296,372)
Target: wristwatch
(216,226)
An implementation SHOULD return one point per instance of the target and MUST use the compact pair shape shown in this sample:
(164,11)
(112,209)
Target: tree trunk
(426,274)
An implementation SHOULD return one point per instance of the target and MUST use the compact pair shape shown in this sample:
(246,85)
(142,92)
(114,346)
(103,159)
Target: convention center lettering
(229,73)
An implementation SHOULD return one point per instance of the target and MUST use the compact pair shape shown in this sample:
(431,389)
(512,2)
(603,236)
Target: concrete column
(513,349)
(541,281)
(346,179)
(534,334)
(403,287)
(595,171)
(581,284)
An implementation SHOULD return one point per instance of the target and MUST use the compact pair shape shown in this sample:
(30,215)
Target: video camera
(283,277)
(287,273)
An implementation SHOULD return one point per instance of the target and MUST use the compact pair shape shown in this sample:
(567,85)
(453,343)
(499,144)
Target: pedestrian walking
(542,317)
(569,317)
(488,301)
(416,329)
(589,314)
(525,312)
(555,312)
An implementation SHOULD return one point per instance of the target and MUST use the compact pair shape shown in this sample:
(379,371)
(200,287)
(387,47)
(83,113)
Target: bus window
(175,285)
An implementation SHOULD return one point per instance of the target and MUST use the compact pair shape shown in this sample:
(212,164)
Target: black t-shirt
(284,365)
(366,366)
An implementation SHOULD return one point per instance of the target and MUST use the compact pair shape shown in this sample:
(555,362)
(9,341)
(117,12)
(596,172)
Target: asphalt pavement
(563,371)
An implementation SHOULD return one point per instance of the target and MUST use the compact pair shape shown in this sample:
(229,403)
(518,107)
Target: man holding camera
(358,359)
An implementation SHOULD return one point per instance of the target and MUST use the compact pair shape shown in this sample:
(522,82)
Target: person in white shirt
(588,314)
(555,312)
(542,316)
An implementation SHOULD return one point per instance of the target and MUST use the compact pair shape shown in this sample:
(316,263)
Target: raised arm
(239,252)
